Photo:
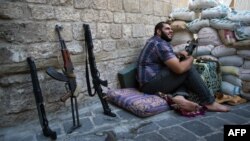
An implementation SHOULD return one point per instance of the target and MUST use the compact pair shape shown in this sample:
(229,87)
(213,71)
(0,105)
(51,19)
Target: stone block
(103,30)
(89,15)
(11,11)
(146,6)
(197,128)
(106,16)
(78,32)
(61,2)
(133,18)
(126,31)
(131,5)
(115,5)
(162,8)
(67,14)
(37,1)
(66,32)
(119,17)
(23,32)
(75,47)
(83,3)
(150,137)
(122,44)
(149,30)
(97,46)
(138,30)
(116,31)
(100,4)
(109,45)
(42,12)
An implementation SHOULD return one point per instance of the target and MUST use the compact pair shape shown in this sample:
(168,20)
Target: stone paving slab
(166,126)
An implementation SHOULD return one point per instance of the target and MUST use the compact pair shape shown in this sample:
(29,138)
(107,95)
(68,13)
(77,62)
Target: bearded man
(159,70)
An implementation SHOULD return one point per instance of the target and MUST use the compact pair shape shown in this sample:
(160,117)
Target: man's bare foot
(216,107)
(185,104)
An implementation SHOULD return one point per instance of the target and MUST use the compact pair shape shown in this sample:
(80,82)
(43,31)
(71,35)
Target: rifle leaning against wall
(39,101)
(69,78)
(96,81)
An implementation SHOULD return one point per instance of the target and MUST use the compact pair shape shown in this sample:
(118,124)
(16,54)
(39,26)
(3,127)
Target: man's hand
(184,53)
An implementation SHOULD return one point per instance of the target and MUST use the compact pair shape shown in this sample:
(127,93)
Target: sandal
(169,99)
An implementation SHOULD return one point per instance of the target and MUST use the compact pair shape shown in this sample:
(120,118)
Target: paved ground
(167,126)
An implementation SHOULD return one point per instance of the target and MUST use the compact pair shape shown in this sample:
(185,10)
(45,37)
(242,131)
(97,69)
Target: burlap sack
(230,70)
(245,44)
(222,24)
(181,37)
(242,33)
(246,64)
(246,86)
(244,53)
(239,16)
(208,36)
(229,88)
(222,50)
(179,48)
(197,5)
(227,36)
(178,25)
(215,12)
(235,80)
(203,50)
(245,74)
(183,14)
(231,61)
(197,24)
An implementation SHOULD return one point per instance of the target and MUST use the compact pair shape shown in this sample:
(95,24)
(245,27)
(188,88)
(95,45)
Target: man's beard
(165,37)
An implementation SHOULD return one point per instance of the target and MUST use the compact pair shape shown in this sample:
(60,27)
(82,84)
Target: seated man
(159,70)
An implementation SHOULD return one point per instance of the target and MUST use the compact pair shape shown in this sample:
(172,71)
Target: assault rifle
(69,78)
(39,101)
(96,81)
(190,48)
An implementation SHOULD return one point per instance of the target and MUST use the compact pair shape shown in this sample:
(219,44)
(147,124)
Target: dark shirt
(152,58)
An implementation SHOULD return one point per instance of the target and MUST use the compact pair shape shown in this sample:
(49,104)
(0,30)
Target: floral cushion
(140,104)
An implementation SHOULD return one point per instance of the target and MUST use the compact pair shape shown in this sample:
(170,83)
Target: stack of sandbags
(244,73)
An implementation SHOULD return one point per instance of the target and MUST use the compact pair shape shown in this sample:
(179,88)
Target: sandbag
(222,24)
(246,64)
(202,50)
(231,61)
(245,44)
(242,32)
(178,25)
(197,24)
(230,70)
(197,5)
(227,37)
(215,12)
(207,57)
(239,16)
(181,37)
(244,53)
(220,51)
(183,14)
(246,86)
(229,88)
(208,36)
(245,74)
(232,79)
(179,48)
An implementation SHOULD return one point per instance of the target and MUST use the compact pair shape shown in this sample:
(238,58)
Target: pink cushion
(138,103)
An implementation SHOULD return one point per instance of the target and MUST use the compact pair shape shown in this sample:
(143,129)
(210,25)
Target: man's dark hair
(160,26)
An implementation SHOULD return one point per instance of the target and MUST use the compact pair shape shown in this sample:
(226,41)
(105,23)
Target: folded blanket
(229,88)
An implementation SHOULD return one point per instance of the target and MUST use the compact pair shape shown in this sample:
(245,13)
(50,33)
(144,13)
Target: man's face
(166,33)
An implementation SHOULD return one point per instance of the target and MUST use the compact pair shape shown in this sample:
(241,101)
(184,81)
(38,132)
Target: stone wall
(27,28)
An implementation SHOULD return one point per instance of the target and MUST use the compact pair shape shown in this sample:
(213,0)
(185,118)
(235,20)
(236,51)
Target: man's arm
(179,67)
